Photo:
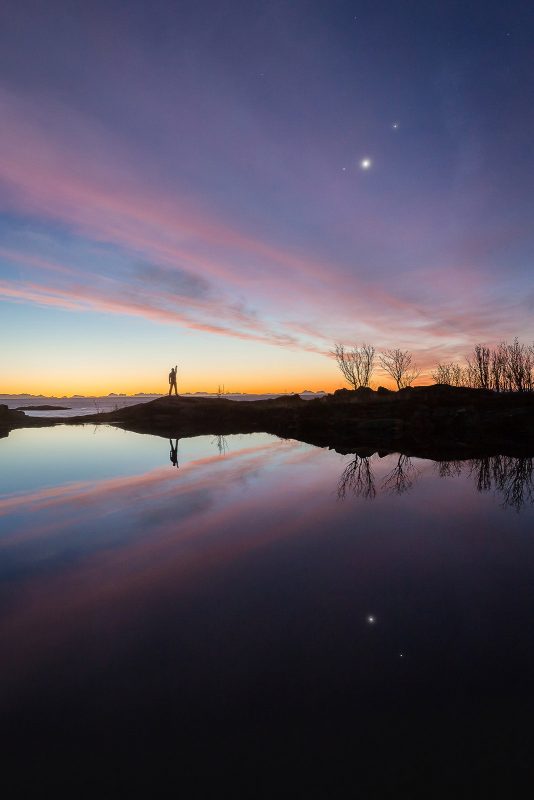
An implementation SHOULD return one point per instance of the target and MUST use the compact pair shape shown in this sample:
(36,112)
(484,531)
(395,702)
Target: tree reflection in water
(357,478)
(511,478)
(402,477)
(449,469)
(221,444)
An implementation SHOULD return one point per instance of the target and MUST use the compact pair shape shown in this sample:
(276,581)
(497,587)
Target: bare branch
(356,365)
(399,365)
(451,374)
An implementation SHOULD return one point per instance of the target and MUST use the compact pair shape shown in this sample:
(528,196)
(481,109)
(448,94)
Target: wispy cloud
(107,200)
(196,268)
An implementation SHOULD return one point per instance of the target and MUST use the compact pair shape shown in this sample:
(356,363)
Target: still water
(253,601)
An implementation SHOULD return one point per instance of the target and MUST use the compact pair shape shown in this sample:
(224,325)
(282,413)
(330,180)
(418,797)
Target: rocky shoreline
(436,421)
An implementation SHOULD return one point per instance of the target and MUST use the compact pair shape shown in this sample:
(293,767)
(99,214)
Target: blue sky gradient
(182,182)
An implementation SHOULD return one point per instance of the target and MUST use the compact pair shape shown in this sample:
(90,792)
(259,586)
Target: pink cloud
(67,170)
(105,197)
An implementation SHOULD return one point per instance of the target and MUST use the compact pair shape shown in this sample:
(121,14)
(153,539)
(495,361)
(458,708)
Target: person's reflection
(173,455)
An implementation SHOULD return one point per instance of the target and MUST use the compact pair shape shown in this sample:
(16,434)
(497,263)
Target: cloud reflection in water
(93,552)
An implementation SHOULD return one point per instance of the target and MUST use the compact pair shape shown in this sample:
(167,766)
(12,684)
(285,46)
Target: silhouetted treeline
(505,368)
(357,365)
(509,367)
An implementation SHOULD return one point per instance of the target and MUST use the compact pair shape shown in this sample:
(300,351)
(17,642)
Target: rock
(8,415)
(42,408)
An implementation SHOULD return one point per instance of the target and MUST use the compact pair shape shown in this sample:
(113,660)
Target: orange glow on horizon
(102,390)
(92,388)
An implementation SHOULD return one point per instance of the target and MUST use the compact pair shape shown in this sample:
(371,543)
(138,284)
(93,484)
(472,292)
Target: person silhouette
(172,380)
(173,455)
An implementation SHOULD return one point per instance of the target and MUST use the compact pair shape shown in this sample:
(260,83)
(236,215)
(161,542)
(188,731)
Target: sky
(234,187)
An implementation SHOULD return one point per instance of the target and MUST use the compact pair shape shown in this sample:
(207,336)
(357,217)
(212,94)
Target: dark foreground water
(239,609)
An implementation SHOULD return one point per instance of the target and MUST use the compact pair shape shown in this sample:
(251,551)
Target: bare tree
(498,360)
(520,366)
(506,368)
(478,367)
(356,365)
(399,365)
(451,374)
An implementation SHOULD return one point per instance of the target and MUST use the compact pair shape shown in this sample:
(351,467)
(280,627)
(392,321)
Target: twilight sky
(183,182)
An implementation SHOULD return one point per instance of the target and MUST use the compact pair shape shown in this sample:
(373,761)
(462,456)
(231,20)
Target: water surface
(219,599)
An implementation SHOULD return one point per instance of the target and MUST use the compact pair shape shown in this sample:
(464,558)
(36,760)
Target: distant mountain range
(154,394)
